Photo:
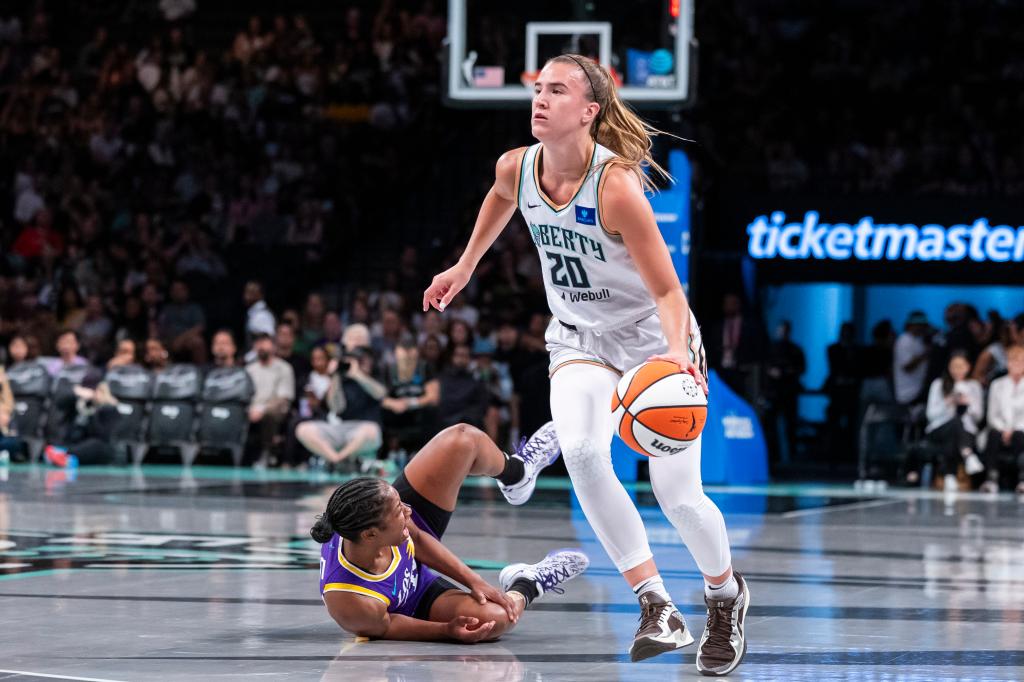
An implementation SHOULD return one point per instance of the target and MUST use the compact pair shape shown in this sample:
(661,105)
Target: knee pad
(585,461)
(686,517)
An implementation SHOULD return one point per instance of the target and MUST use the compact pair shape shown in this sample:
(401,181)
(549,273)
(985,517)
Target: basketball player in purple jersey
(382,552)
(616,302)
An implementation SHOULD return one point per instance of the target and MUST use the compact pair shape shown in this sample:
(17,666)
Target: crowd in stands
(956,391)
(863,96)
(954,394)
(377,385)
(174,194)
(151,170)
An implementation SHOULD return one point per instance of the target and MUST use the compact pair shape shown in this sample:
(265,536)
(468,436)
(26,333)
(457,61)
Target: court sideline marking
(867,504)
(59,677)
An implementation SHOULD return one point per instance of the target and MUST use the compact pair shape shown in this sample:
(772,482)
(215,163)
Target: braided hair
(354,506)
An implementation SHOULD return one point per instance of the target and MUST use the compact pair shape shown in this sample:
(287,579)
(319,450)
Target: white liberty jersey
(590,280)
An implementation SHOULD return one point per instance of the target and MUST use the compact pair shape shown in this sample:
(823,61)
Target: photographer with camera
(353,400)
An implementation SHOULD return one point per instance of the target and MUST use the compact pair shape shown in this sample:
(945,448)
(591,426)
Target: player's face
(560,103)
(394,524)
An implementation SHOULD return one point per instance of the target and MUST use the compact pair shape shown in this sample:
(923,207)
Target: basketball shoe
(558,567)
(540,451)
(662,628)
(59,457)
(724,642)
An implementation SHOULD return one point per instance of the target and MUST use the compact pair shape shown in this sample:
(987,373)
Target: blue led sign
(772,237)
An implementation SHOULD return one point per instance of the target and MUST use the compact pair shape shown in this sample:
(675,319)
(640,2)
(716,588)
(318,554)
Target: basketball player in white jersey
(617,302)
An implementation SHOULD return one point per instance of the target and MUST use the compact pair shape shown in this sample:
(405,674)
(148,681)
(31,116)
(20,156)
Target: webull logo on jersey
(571,240)
(586,296)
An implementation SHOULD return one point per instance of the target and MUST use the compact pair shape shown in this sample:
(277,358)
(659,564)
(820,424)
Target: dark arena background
(216,217)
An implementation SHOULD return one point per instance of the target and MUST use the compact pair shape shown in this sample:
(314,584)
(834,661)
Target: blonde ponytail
(616,126)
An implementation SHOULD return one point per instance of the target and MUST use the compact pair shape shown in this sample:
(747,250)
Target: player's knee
(585,458)
(688,514)
(493,612)
(461,438)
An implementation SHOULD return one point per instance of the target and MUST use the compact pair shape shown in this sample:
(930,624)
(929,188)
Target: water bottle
(5,458)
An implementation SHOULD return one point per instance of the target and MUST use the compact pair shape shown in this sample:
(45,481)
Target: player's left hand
(686,365)
(484,592)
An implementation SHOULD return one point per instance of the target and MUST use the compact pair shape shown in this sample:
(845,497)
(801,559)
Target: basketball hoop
(528,78)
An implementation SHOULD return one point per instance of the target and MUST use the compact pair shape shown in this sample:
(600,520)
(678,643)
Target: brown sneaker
(724,641)
(662,628)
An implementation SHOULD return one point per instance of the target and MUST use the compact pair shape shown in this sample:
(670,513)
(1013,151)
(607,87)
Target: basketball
(658,409)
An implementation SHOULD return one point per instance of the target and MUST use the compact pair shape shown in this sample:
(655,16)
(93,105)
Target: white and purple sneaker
(558,567)
(538,452)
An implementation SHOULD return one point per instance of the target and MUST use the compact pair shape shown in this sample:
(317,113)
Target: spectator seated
(61,413)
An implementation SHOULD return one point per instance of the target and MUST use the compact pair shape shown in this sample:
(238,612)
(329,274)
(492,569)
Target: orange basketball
(658,409)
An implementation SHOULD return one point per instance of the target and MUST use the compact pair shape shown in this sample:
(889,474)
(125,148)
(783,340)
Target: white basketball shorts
(618,349)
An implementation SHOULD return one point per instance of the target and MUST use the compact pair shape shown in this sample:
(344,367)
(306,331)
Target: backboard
(494,48)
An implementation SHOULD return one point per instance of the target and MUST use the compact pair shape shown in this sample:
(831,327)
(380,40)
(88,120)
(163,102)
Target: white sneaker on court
(536,453)
(558,567)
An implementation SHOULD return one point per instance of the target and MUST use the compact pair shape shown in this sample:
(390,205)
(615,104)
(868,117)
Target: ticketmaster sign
(772,237)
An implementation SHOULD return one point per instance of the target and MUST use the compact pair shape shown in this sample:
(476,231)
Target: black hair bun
(321,531)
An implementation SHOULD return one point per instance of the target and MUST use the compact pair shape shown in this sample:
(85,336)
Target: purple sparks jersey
(400,587)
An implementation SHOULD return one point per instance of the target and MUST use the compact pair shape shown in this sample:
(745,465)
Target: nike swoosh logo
(529,205)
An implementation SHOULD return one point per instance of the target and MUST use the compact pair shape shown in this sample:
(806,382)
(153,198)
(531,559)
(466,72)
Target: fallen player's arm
(430,552)
(368,617)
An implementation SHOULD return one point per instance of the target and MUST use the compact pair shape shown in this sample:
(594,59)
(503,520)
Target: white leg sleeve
(581,409)
(677,485)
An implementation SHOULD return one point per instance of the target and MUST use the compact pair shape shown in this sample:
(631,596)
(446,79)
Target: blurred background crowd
(188,181)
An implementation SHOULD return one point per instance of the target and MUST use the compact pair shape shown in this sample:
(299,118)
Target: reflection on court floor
(167,574)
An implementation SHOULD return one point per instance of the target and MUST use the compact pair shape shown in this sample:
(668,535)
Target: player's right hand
(467,629)
(445,286)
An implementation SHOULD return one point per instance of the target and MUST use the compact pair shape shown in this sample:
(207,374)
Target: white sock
(727,590)
(653,584)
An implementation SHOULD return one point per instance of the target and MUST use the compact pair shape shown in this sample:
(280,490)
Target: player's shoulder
(506,173)
(509,162)
(620,196)
(618,179)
